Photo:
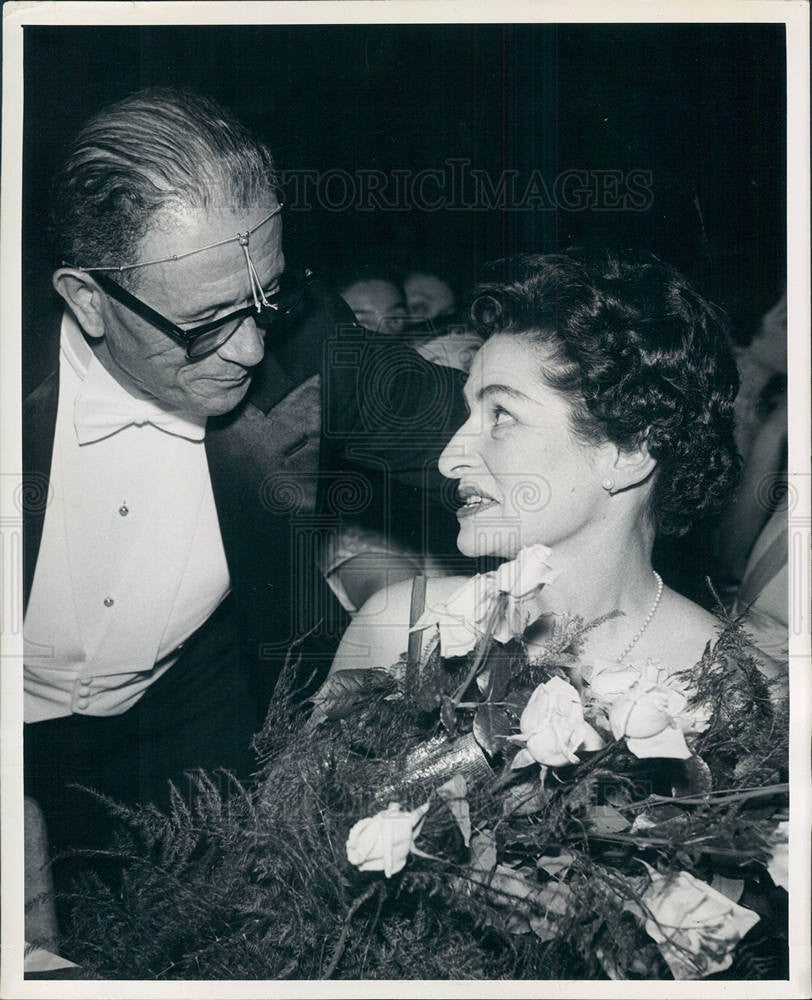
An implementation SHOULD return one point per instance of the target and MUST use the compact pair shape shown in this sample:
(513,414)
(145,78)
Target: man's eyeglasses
(270,313)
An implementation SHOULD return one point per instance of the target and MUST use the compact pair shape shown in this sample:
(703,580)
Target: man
(207,417)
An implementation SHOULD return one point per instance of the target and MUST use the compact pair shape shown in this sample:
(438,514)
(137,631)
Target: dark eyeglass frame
(266,314)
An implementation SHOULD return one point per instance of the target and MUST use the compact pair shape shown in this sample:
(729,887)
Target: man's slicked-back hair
(156,149)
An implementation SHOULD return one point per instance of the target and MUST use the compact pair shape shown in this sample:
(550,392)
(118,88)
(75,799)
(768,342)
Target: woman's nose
(457,457)
(246,346)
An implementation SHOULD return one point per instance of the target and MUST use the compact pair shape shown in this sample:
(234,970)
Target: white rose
(522,575)
(645,710)
(382,842)
(523,579)
(778,865)
(696,928)
(609,680)
(463,619)
(553,727)
(646,707)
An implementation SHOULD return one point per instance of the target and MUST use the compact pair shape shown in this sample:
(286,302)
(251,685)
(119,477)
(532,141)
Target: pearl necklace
(649,616)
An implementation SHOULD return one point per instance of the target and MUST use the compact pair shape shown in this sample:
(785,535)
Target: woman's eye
(501,416)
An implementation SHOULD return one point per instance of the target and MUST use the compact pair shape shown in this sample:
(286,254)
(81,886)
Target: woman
(601,413)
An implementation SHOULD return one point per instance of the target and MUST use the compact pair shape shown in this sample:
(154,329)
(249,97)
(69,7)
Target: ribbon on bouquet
(434,762)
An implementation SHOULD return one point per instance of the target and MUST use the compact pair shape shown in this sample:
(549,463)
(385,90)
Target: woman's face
(523,476)
(378,305)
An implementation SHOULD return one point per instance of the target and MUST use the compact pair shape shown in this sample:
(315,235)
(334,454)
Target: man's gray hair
(156,149)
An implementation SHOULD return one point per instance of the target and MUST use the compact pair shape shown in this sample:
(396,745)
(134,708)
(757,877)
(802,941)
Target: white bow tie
(102,409)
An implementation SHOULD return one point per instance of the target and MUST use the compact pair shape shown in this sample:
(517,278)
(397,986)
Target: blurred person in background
(378,303)
(753,536)
(421,312)
(441,334)
(428,296)
(353,553)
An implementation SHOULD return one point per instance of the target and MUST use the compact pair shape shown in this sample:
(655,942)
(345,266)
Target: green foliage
(747,741)
(253,882)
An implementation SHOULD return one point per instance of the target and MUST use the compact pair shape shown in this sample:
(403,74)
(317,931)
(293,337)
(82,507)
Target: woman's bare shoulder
(379,632)
(684,612)
(681,630)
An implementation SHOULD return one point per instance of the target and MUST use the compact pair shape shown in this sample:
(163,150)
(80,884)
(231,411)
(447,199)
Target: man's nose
(246,346)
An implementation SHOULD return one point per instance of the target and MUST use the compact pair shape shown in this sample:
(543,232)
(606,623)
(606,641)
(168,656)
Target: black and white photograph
(405,500)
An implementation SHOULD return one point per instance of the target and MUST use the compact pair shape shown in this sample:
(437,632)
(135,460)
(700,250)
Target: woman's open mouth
(473,502)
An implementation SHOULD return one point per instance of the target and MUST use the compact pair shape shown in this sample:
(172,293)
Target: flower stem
(342,940)
(587,765)
(498,609)
(722,795)
(642,841)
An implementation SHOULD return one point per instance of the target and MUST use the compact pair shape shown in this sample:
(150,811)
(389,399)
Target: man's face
(190,292)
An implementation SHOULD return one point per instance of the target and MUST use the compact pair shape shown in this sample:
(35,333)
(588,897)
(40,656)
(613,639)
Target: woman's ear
(83,298)
(631,466)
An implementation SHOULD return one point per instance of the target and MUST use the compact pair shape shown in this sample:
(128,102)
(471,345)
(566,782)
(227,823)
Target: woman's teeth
(474,503)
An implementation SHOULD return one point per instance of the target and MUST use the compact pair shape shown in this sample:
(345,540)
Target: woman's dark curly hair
(640,355)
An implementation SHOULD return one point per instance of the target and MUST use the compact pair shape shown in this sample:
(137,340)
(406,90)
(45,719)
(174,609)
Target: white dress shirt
(131,560)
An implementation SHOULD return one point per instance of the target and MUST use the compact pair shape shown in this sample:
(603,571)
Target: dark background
(702,107)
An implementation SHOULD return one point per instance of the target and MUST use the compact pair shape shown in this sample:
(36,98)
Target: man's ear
(83,298)
(631,466)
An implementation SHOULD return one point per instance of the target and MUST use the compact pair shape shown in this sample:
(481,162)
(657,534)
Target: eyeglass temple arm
(137,306)
(267,310)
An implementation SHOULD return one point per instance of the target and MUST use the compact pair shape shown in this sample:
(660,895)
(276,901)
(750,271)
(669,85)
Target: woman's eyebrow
(496,388)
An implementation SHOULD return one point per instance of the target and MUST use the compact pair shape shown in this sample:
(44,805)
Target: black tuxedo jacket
(338,424)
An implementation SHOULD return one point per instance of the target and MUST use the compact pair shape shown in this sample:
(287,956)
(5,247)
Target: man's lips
(239,380)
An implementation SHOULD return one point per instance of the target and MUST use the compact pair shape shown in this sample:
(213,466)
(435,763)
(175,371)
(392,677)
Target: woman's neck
(610,572)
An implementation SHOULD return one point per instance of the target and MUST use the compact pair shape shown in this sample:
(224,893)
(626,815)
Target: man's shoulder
(301,351)
(324,316)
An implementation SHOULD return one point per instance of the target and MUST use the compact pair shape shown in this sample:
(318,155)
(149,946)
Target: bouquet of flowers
(476,811)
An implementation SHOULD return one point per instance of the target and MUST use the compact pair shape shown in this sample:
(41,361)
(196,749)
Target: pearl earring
(608,484)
